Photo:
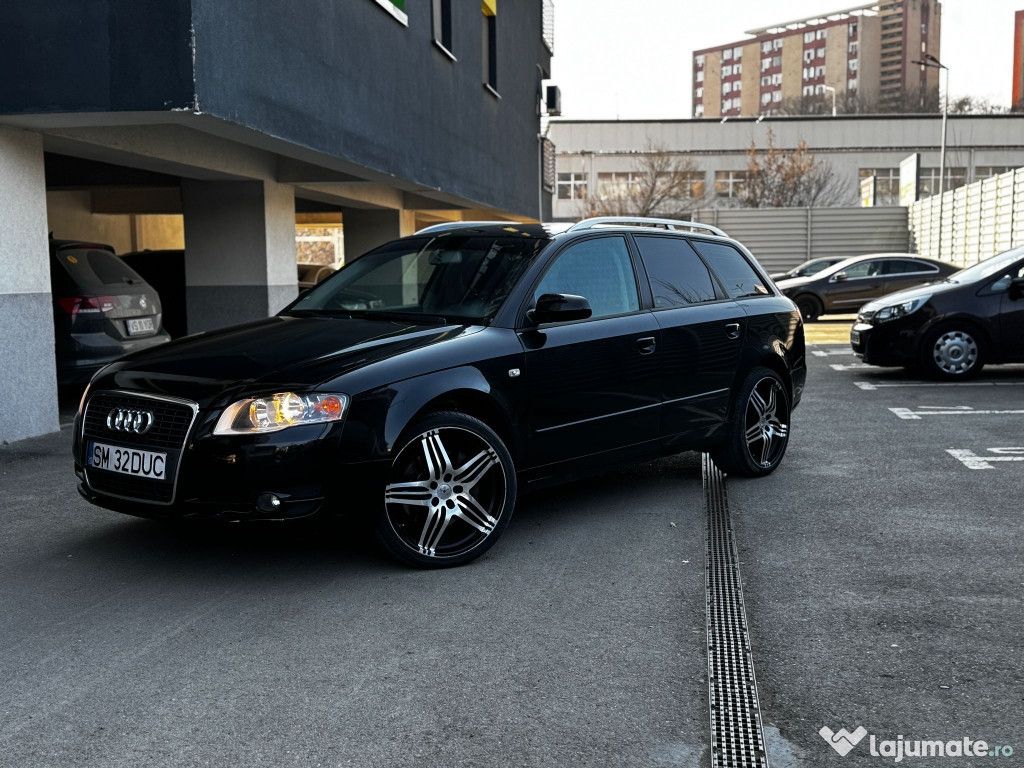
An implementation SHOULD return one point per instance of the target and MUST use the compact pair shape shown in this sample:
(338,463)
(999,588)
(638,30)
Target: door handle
(646,345)
(732,330)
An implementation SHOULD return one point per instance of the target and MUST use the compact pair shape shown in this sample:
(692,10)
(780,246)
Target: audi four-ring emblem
(130,420)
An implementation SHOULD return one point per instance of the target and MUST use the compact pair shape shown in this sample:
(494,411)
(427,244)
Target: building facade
(1017,98)
(599,159)
(383,114)
(863,56)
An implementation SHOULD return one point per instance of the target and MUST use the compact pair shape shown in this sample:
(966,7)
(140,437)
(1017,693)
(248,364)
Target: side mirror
(560,307)
(1017,288)
(840,277)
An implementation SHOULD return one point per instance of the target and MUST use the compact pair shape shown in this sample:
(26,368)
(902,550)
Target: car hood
(909,294)
(279,351)
(793,282)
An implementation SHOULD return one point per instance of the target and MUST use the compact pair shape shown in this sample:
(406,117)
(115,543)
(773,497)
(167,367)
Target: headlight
(896,311)
(259,415)
(85,395)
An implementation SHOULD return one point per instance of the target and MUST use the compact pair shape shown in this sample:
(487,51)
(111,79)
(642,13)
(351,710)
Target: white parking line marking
(824,353)
(870,386)
(849,366)
(947,410)
(971,460)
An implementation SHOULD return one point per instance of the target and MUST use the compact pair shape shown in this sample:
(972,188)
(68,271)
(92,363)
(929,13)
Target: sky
(631,59)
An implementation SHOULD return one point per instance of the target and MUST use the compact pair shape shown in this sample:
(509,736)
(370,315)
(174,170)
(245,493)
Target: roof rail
(444,227)
(643,221)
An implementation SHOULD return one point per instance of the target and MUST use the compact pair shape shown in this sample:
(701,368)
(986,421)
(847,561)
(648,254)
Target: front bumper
(885,344)
(311,470)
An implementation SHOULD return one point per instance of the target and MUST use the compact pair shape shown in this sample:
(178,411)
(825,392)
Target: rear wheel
(953,351)
(810,307)
(759,428)
(450,493)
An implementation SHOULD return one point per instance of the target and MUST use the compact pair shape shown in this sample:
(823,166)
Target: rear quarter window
(733,269)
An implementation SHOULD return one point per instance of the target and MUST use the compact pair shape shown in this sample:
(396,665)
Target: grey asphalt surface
(883,582)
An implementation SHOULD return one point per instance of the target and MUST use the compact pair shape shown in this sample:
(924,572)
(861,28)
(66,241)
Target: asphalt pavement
(882,574)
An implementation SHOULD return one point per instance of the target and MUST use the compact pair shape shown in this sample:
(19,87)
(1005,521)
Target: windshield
(453,277)
(987,268)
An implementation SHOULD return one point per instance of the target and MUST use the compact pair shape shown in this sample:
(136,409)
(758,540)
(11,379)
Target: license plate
(128,461)
(855,337)
(140,325)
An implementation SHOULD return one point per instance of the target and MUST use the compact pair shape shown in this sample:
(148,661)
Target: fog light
(268,502)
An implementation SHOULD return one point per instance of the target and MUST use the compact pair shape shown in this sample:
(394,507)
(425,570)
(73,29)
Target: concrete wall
(792,66)
(751,79)
(836,46)
(869,57)
(712,85)
(26,309)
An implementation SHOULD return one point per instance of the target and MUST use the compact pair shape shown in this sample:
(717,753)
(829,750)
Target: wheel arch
(958,319)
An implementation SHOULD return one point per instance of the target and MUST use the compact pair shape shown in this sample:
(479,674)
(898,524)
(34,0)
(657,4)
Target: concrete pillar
(239,251)
(367,229)
(28,370)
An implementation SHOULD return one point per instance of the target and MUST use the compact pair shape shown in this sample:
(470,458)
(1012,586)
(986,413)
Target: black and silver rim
(447,492)
(767,422)
(955,352)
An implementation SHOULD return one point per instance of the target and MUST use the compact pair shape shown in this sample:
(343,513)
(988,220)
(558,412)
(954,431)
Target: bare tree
(777,178)
(661,184)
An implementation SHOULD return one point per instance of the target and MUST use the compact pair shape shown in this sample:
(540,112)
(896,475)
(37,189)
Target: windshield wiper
(385,314)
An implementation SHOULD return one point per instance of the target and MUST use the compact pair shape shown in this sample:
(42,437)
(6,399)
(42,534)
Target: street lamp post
(931,61)
(830,88)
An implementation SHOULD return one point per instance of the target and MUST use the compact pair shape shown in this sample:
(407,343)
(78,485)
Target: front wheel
(450,493)
(952,352)
(759,427)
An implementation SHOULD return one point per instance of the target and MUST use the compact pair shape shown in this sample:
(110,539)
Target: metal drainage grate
(737,740)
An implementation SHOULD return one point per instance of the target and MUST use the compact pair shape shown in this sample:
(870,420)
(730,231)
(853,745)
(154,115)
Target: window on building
(988,171)
(572,186)
(727,70)
(617,183)
(730,184)
(777,78)
(777,43)
(737,68)
(599,269)
(677,274)
(442,23)
(766,46)
(737,53)
(490,44)
(777,96)
(887,184)
(766,98)
(700,76)
(821,34)
(819,89)
(692,184)
(699,60)
(727,54)
(928,182)
(698,110)
(726,88)
(819,71)
(851,84)
(766,64)
(766,81)
(821,53)
(852,29)
(853,65)
(700,93)
(732,268)
(776,61)
(852,48)
(808,56)
(808,90)
(808,37)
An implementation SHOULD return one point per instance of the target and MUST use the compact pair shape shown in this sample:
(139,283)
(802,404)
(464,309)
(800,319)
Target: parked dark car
(495,358)
(102,309)
(808,268)
(165,271)
(952,328)
(846,286)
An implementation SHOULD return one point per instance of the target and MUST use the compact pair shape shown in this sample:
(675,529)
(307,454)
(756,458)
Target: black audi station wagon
(428,382)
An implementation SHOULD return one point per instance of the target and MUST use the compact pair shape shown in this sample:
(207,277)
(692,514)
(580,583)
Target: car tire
(953,351)
(810,307)
(450,492)
(758,428)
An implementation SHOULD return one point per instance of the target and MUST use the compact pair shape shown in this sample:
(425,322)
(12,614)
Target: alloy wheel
(446,493)
(955,353)
(767,422)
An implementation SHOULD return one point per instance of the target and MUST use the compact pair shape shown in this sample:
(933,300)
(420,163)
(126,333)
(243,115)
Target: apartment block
(865,53)
(1018,60)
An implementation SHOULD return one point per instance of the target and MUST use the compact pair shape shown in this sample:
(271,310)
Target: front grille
(171,420)
(168,434)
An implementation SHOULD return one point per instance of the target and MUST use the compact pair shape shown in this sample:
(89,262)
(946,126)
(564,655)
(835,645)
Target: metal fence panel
(781,238)
(971,223)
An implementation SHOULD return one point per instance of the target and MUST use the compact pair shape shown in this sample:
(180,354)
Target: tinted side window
(864,269)
(678,276)
(732,268)
(906,266)
(600,270)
